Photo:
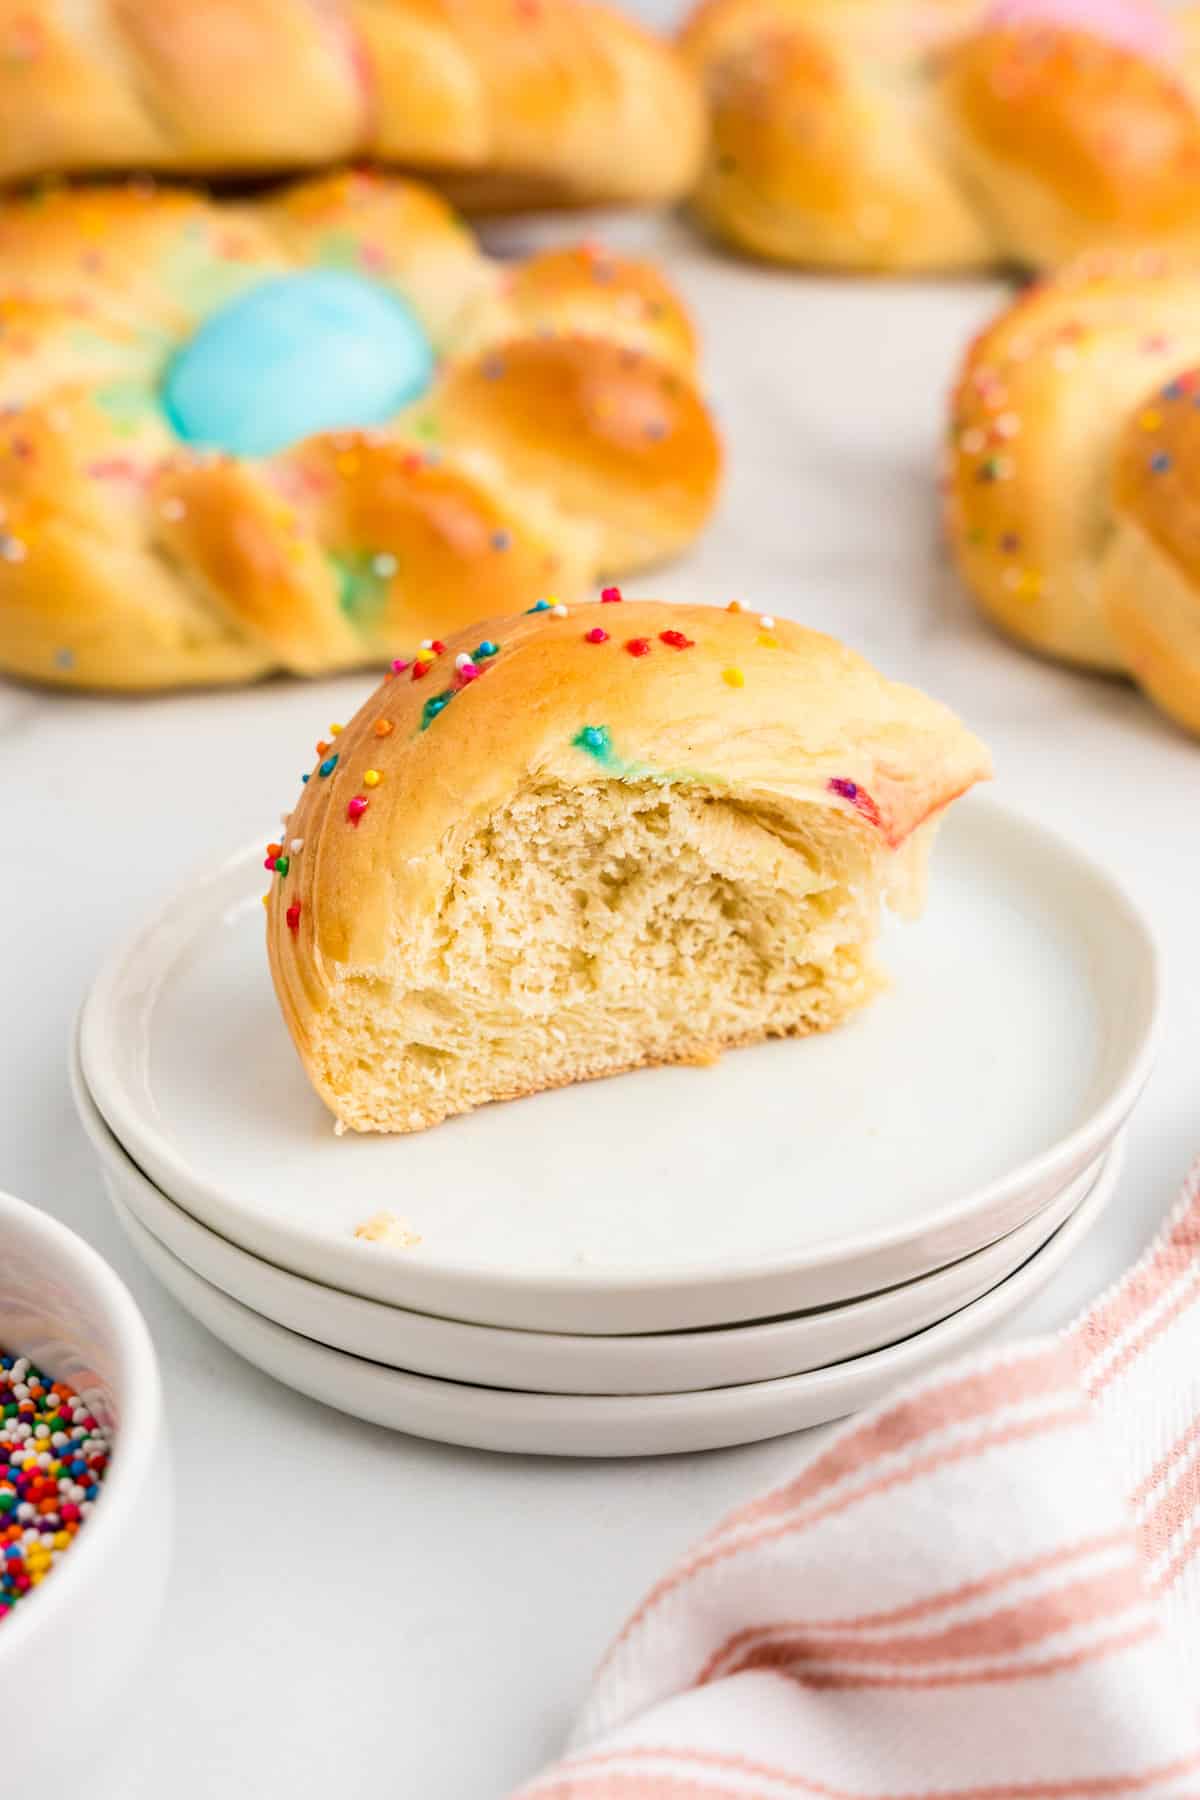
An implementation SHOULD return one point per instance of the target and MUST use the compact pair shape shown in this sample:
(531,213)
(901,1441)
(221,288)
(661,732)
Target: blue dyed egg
(319,351)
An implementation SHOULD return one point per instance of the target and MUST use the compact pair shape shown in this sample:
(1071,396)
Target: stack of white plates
(672,1260)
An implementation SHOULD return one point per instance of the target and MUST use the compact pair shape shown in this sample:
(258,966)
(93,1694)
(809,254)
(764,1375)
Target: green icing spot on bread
(126,404)
(196,274)
(338,250)
(596,741)
(362,582)
(436,703)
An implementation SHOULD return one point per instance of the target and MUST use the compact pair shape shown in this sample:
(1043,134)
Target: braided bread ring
(951,134)
(1073,472)
(563,438)
(552,96)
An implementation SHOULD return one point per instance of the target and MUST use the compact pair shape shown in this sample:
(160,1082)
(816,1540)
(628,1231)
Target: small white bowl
(75,1642)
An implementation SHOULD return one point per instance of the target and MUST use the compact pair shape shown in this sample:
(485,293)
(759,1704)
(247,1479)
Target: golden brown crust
(776,715)
(153,258)
(623,442)
(1156,478)
(1151,577)
(563,436)
(573,95)
(287,559)
(815,159)
(887,134)
(1074,142)
(585,288)
(1071,471)
(85,595)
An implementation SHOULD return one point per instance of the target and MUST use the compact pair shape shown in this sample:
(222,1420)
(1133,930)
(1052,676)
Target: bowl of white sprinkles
(84,1494)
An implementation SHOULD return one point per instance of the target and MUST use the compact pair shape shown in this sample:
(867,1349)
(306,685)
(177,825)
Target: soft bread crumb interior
(587,930)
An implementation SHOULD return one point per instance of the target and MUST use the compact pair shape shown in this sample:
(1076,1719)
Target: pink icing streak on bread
(1139,26)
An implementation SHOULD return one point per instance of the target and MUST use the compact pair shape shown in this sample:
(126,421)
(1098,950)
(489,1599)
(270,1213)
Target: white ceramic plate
(545,1362)
(1011,1047)
(488,1418)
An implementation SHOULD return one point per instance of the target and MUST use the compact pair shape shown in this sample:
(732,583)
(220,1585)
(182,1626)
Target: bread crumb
(386,1228)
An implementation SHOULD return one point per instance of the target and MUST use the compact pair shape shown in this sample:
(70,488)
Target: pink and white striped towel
(988,1589)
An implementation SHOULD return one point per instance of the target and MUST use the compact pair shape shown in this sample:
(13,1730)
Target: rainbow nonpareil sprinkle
(53,1456)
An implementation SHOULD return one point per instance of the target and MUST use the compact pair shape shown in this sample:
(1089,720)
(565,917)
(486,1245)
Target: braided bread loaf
(1073,472)
(948,134)
(562,438)
(555,98)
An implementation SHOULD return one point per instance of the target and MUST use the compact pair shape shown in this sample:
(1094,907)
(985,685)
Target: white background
(364,1614)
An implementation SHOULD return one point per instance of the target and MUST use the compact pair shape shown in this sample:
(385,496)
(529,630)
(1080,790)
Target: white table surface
(367,1614)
